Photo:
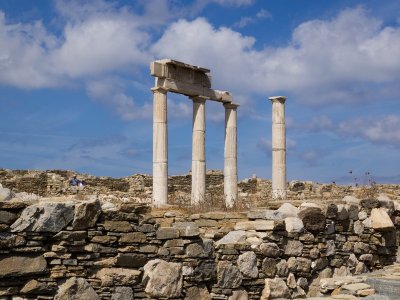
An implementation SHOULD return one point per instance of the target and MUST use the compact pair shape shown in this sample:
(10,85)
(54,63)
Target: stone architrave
(278,148)
(160,147)
(230,155)
(198,151)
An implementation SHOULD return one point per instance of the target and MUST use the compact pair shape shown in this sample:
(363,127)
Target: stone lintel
(231,105)
(281,99)
(193,90)
(180,71)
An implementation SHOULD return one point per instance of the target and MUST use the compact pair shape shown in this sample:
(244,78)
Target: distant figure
(74,183)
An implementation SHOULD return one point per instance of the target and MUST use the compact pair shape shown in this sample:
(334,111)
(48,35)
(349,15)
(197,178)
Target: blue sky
(75,84)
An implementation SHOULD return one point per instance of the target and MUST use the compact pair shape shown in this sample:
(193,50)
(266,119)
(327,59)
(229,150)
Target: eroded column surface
(230,155)
(278,147)
(198,151)
(160,148)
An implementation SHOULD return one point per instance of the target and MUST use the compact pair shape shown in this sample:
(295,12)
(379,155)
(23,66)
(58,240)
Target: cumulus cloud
(385,130)
(261,14)
(327,61)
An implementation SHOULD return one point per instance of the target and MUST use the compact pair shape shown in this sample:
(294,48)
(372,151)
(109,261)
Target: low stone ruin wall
(58,248)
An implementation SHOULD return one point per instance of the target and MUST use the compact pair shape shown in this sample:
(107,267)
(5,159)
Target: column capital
(280,99)
(231,105)
(158,89)
(200,99)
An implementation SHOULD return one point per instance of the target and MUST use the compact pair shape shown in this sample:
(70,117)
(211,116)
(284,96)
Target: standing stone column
(198,151)
(160,147)
(230,155)
(278,147)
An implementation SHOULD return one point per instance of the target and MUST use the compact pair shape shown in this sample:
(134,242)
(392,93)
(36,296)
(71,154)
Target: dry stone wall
(64,248)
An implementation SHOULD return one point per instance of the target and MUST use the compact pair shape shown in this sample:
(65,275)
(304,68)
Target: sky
(75,84)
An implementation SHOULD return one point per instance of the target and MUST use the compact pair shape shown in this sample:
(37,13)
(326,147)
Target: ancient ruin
(194,82)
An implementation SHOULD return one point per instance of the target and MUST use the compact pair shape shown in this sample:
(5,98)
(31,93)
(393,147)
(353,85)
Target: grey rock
(282,268)
(331,210)
(76,289)
(229,276)
(8,240)
(22,265)
(163,279)
(275,288)
(288,210)
(293,248)
(205,271)
(187,229)
(330,248)
(353,211)
(358,227)
(233,237)
(35,287)
(269,249)
(342,213)
(5,193)
(269,267)
(197,293)
(117,276)
(369,203)
(294,224)
(44,217)
(122,293)
(86,214)
(7,217)
(247,263)
(266,214)
(312,218)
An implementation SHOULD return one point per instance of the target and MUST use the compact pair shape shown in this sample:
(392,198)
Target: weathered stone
(261,225)
(275,288)
(291,281)
(369,203)
(117,276)
(312,218)
(269,249)
(133,237)
(237,295)
(353,211)
(361,248)
(167,233)
(266,214)
(288,210)
(205,271)
(269,267)
(330,248)
(358,227)
(44,217)
(247,263)
(8,240)
(118,226)
(233,237)
(71,236)
(380,220)
(195,250)
(293,248)
(5,193)
(104,239)
(299,264)
(7,217)
(229,276)
(294,224)
(282,268)
(197,293)
(360,268)
(320,263)
(187,229)
(163,279)
(35,287)
(342,213)
(131,260)
(22,265)
(331,211)
(76,289)
(86,214)
(122,293)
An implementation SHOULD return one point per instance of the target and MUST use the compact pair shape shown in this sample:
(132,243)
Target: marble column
(278,148)
(160,147)
(198,151)
(230,155)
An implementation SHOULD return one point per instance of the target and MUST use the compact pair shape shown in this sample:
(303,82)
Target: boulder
(35,287)
(15,266)
(86,214)
(163,279)
(229,276)
(122,293)
(247,263)
(380,220)
(76,289)
(275,288)
(44,217)
(294,224)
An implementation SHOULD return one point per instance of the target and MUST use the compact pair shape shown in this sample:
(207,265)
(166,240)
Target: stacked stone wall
(55,247)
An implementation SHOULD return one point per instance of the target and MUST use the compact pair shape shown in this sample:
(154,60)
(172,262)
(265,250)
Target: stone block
(247,263)
(259,225)
(380,220)
(118,226)
(187,229)
(86,214)
(294,224)
(117,276)
(22,265)
(7,217)
(229,276)
(76,288)
(167,233)
(133,237)
(275,288)
(293,248)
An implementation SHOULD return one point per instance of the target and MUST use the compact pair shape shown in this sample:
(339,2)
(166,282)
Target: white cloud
(261,14)
(351,58)
(385,130)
